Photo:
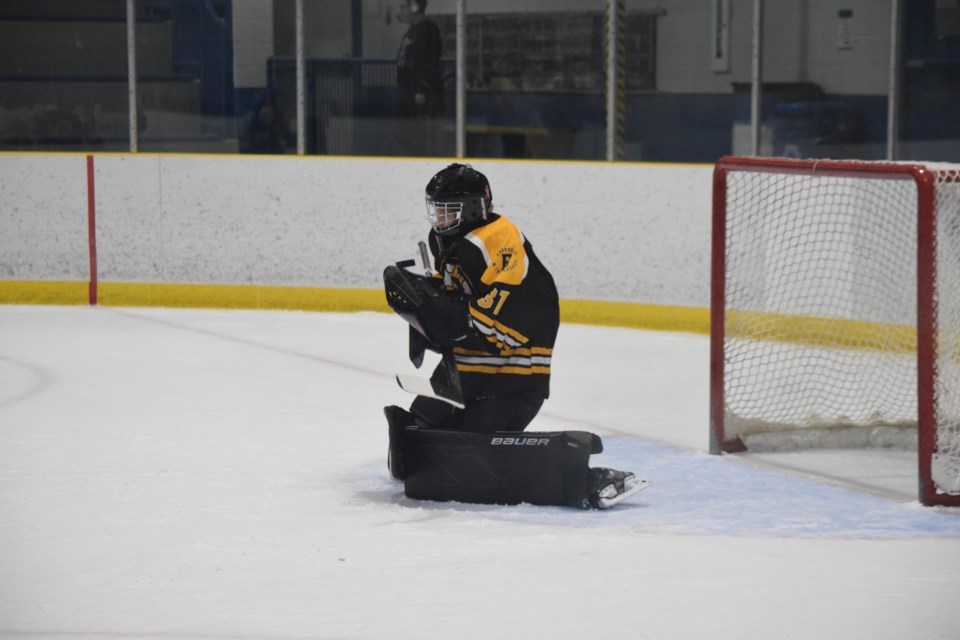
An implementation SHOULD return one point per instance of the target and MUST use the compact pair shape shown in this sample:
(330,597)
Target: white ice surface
(175,474)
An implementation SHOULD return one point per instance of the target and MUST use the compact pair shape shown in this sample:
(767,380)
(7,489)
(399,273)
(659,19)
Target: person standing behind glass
(419,81)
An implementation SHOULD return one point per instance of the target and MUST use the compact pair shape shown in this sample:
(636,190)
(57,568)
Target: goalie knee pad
(397,421)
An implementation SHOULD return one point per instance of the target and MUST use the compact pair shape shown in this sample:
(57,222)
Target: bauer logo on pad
(528,442)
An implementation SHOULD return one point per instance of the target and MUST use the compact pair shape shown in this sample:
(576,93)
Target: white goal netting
(820,296)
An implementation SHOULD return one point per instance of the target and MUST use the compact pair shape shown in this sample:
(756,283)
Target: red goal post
(835,310)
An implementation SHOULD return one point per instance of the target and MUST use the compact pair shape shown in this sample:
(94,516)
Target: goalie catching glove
(441,318)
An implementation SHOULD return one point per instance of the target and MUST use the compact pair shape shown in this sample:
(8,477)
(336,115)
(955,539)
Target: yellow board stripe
(140,294)
(201,296)
(824,332)
(635,315)
(44,292)
(242,297)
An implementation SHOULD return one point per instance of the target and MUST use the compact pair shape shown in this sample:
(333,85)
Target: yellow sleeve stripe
(485,324)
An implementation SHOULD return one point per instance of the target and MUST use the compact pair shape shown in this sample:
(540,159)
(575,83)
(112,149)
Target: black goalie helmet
(458,200)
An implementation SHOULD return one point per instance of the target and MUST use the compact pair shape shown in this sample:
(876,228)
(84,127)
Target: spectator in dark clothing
(419,83)
(266,132)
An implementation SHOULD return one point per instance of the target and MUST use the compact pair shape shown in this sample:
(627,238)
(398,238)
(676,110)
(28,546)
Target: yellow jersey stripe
(523,371)
(522,351)
(500,328)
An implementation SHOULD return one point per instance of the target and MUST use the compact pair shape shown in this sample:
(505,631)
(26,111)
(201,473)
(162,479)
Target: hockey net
(836,310)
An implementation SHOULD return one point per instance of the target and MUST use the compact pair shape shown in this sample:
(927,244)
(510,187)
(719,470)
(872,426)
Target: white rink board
(630,232)
(43,218)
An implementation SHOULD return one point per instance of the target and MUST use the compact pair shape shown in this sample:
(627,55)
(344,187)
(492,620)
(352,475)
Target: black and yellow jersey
(513,305)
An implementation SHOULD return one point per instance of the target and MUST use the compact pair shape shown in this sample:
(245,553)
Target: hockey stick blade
(422,387)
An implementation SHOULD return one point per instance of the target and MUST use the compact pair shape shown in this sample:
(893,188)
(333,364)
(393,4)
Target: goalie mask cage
(835,310)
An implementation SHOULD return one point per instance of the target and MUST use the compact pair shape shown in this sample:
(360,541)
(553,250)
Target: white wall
(863,68)
(800,45)
(252,42)
(630,232)
(326,31)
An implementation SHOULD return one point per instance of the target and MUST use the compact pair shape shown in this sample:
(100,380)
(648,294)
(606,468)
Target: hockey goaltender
(490,308)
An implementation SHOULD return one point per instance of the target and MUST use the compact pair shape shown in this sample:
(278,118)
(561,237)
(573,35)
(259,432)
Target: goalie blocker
(540,468)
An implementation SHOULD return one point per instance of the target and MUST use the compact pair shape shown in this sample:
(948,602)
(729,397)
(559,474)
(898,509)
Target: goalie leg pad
(502,413)
(397,420)
(541,468)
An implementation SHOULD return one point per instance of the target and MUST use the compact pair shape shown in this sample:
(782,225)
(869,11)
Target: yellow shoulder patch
(502,246)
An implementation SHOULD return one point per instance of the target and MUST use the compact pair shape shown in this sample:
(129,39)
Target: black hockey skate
(607,487)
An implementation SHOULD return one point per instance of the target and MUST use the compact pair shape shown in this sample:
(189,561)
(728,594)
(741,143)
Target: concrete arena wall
(627,243)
